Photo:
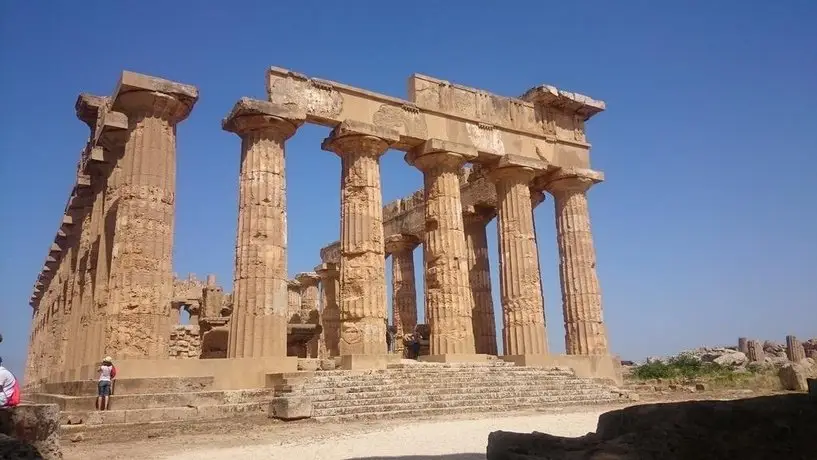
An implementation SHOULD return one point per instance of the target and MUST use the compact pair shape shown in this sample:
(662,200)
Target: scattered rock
(79,437)
(733,359)
(793,377)
(702,387)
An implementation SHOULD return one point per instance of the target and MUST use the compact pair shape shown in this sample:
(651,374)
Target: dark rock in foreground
(764,428)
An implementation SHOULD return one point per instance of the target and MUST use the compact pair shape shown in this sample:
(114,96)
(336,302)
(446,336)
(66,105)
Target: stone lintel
(515,128)
(566,101)
(67,219)
(50,259)
(293,284)
(331,253)
(132,81)
(306,279)
(55,248)
(509,161)
(61,233)
(96,154)
(83,180)
(400,242)
(88,108)
(111,123)
(246,107)
(79,201)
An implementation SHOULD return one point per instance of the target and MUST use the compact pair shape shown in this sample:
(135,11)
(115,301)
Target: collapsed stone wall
(185,342)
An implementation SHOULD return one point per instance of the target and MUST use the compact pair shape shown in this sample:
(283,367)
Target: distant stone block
(295,408)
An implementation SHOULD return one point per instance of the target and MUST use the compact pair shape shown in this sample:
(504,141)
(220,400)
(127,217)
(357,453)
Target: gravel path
(437,440)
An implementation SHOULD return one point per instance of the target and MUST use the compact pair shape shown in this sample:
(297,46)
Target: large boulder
(793,377)
(34,425)
(733,359)
(771,427)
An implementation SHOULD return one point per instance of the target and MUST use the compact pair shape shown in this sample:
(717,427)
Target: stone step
(432,371)
(396,384)
(131,386)
(156,400)
(461,398)
(165,414)
(492,407)
(442,388)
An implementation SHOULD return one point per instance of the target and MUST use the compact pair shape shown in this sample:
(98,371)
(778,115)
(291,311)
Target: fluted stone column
(794,349)
(310,314)
(294,302)
(448,291)
(585,333)
(743,345)
(330,316)
(479,276)
(141,281)
(404,289)
(258,325)
(362,263)
(520,281)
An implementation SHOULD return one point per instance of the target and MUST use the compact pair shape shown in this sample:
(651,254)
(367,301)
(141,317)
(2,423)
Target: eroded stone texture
(448,291)
(310,313)
(185,342)
(259,318)
(475,221)
(520,282)
(330,315)
(362,262)
(754,351)
(585,333)
(794,350)
(141,280)
(294,302)
(404,289)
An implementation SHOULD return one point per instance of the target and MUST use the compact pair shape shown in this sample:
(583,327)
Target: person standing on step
(9,388)
(107,376)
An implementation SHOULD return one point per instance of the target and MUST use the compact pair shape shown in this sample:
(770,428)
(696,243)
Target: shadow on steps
(764,428)
(426,457)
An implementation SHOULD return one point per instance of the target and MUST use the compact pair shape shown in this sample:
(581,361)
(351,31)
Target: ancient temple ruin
(107,285)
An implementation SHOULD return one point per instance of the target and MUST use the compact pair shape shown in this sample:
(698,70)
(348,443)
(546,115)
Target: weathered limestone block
(362,262)
(794,350)
(291,408)
(404,289)
(258,325)
(185,342)
(475,220)
(141,281)
(34,424)
(755,352)
(448,291)
(310,313)
(743,345)
(330,316)
(520,282)
(793,377)
(294,302)
(585,333)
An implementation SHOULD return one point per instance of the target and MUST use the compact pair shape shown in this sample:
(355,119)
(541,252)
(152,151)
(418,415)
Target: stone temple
(107,286)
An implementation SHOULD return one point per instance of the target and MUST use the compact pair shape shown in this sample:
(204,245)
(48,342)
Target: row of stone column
(260,280)
(115,284)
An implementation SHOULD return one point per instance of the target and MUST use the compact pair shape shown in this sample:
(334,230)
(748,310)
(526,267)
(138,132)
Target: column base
(361,362)
(454,358)
(585,366)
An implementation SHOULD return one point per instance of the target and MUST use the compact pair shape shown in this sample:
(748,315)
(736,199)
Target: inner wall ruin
(107,286)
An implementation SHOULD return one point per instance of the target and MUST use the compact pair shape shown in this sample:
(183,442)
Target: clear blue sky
(706,228)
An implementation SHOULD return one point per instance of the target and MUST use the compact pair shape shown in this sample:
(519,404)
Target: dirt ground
(447,437)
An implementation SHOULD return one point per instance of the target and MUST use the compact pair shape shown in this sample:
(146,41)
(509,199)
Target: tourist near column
(258,326)
(475,220)
(520,283)
(404,289)
(330,315)
(141,281)
(362,257)
(448,292)
(310,314)
(585,333)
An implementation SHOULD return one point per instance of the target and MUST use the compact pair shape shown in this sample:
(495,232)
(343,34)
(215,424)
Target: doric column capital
(536,197)
(307,279)
(473,215)
(570,180)
(362,139)
(440,155)
(89,108)
(327,271)
(401,242)
(140,96)
(250,115)
(294,285)
(516,169)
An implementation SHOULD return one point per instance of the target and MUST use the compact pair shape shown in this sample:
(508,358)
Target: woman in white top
(9,388)
(107,374)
